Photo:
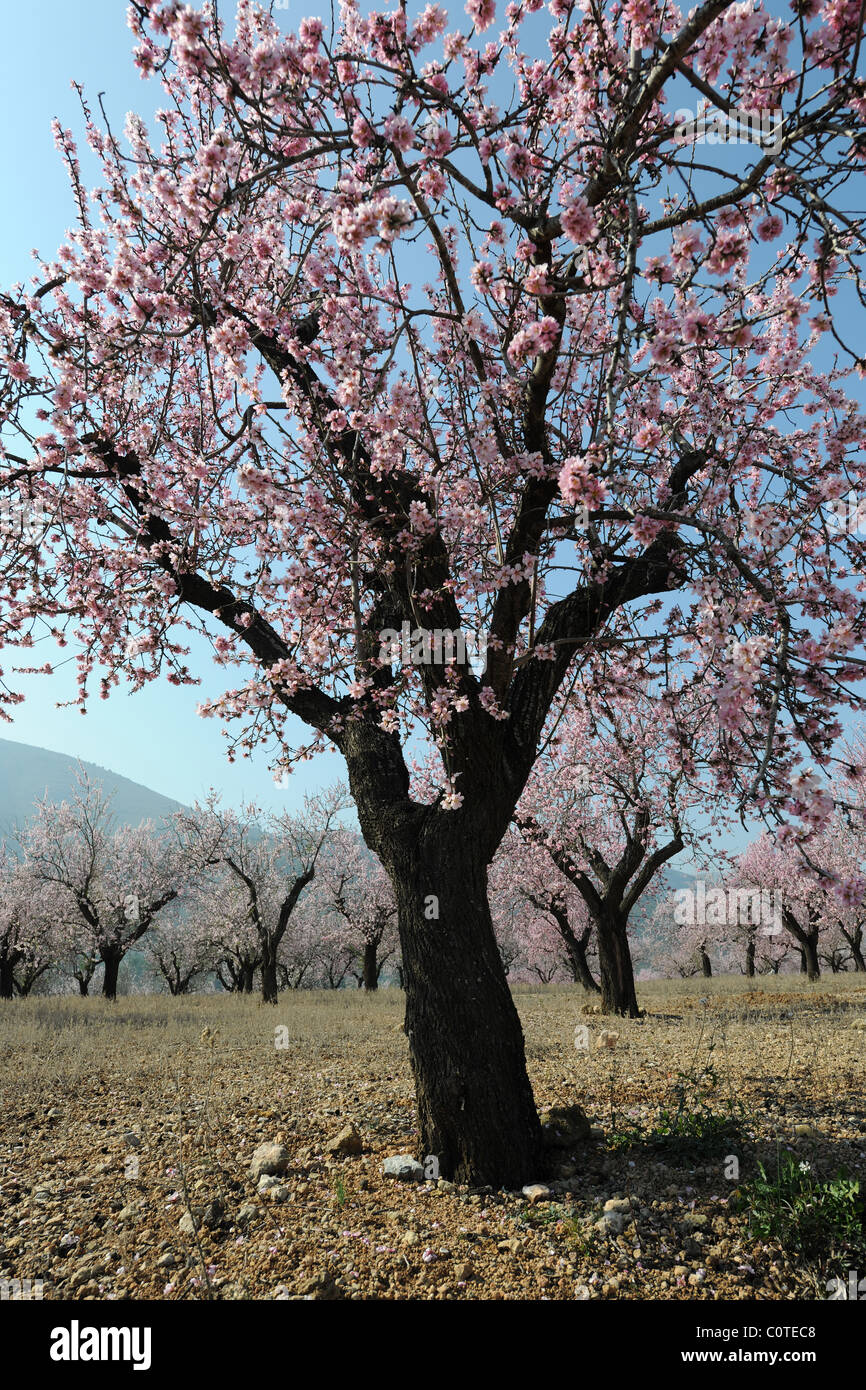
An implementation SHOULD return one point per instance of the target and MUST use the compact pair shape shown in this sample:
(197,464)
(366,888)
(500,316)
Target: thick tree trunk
(247,978)
(111,960)
(476,1112)
(618,994)
(270,993)
(6,978)
(803,967)
(706,966)
(750,959)
(371,968)
(810,957)
(83,986)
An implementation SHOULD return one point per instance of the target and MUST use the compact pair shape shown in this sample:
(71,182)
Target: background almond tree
(108,883)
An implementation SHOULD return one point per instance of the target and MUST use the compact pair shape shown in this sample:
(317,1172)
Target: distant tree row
(237,899)
(244,900)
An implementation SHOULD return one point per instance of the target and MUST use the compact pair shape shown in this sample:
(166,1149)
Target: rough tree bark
(371,967)
(476,1111)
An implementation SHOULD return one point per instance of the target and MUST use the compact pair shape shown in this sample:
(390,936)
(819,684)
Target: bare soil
(126,1133)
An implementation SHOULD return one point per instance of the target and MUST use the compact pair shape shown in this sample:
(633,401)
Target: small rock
(694,1221)
(463,1271)
(618,1204)
(563,1126)
(270,1159)
(410,1238)
(403,1167)
(535,1192)
(612,1223)
(248,1212)
(347,1142)
(280,1192)
(166,1261)
(133,1212)
(267,1181)
(186,1225)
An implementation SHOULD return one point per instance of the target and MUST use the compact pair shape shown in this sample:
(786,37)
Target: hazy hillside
(27,774)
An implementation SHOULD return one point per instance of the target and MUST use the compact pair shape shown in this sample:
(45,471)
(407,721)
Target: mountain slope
(27,774)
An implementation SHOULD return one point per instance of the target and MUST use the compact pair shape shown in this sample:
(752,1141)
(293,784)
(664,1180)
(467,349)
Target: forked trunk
(580,970)
(576,948)
(476,1112)
(855,942)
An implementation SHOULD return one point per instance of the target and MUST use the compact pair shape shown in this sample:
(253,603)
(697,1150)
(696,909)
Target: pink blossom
(578,222)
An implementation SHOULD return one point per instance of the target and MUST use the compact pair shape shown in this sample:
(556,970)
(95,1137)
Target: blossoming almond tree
(618,792)
(805,895)
(31,934)
(353,885)
(524,874)
(269,860)
(418,320)
(108,882)
(181,947)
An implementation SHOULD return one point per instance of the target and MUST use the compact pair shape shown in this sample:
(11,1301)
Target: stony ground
(127,1132)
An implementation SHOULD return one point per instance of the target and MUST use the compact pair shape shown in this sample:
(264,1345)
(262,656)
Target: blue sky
(155,736)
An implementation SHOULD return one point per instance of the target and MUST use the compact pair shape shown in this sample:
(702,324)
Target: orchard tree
(236,952)
(354,885)
(407,324)
(270,859)
(524,872)
(112,880)
(29,935)
(180,949)
(802,895)
(610,802)
(300,954)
